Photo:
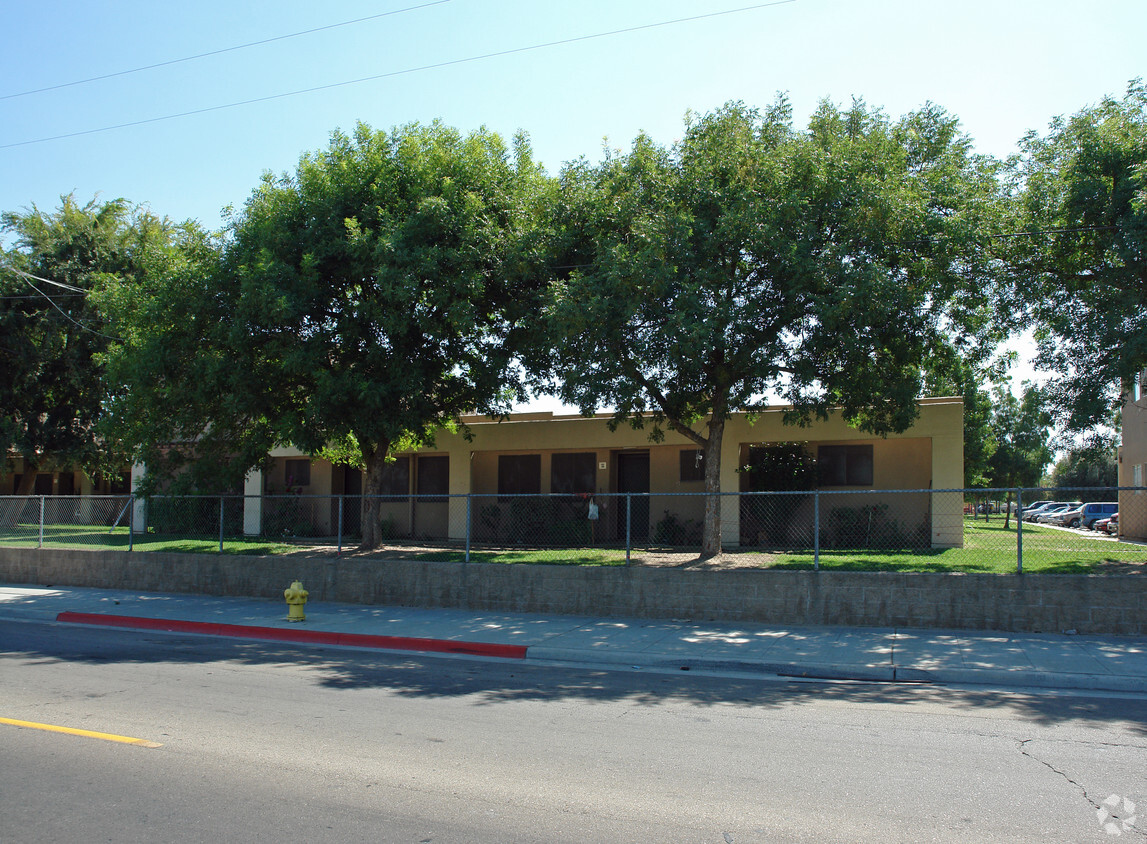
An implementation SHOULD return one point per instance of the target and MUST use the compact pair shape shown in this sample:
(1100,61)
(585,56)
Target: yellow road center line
(72,731)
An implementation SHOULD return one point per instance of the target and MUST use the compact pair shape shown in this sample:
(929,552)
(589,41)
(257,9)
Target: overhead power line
(27,275)
(217,52)
(28,280)
(393,73)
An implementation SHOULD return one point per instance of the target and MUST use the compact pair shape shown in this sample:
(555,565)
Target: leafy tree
(1020,430)
(1082,196)
(51,333)
(825,267)
(364,301)
(1091,466)
(172,375)
(960,375)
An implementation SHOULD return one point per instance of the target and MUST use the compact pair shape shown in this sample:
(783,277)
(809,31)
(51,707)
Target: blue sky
(1003,67)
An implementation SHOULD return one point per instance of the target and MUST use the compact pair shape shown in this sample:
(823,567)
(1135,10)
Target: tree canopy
(826,267)
(1019,433)
(1088,466)
(366,300)
(51,333)
(1082,268)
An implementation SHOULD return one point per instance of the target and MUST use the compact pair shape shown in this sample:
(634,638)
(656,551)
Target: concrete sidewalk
(1108,663)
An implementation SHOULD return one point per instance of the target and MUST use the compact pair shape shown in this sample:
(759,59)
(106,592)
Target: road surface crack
(1095,804)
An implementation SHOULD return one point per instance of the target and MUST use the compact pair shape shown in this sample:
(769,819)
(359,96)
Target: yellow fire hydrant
(296,597)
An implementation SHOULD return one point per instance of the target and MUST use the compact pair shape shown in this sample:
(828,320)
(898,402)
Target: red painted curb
(316,637)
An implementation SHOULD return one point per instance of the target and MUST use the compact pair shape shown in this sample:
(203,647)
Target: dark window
(845,465)
(519,474)
(573,474)
(66,484)
(692,465)
(433,478)
(120,483)
(297,472)
(43,484)
(396,477)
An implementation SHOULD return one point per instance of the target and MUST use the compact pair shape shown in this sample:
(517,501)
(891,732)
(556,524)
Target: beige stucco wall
(927,456)
(80,483)
(1132,454)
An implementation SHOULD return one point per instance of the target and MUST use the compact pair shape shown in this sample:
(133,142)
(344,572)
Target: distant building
(574,457)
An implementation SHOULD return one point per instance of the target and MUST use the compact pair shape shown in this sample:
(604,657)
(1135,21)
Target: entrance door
(633,476)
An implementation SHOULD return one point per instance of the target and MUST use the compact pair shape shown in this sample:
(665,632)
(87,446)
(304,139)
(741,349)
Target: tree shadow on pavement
(488,682)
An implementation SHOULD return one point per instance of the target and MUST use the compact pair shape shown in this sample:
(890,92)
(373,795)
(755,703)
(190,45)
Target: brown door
(633,477)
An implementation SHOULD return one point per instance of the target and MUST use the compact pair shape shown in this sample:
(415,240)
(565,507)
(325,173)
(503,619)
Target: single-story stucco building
(574,458)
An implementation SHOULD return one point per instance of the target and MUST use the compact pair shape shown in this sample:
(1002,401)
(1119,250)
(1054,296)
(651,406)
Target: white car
(1049,513)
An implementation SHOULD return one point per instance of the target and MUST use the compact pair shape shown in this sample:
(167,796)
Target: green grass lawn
(100,538)
(988,547)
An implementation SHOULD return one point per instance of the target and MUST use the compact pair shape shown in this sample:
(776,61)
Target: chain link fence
(981,530)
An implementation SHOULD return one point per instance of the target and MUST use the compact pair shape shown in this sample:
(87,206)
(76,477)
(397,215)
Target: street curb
(1021,678)
(314,637)
(859,673)
(885,673)
(639,659)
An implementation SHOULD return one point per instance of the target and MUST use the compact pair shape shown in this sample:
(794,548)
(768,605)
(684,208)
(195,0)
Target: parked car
(1058,516)
(1100,525)
(1030,513)
(1093,511)
(1046,517)
(1113,525)
(1035,505)
(1034,515)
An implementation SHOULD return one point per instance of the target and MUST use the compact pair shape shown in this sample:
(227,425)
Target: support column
(253,503)
(459,486)
(139,516)
(730,482)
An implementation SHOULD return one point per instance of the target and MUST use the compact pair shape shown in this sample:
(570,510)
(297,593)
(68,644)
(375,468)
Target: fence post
(221,499)
(131,523)
(628,523)
(816,530)
(1019,532)
(339,553)
(41,543)
(469,499)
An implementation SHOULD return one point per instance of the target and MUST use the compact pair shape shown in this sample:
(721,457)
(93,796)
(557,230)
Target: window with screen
(396,477)
(519,474)
(297,472)
(692,465)
(433,478)
(573,474)
(845,465)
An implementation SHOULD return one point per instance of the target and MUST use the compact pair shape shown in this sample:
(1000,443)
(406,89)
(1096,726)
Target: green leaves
(359,303)
(52,381)
(752,259)
(1082,269)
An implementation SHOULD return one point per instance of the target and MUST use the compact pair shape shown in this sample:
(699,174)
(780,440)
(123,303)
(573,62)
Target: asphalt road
(262,742)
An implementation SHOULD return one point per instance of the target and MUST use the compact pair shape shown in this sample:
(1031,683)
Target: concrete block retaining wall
(1023,603)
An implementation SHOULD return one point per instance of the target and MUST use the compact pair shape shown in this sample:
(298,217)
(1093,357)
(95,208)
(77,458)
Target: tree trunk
(1008,509)
(711,532)
(27,480)
(375,459)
